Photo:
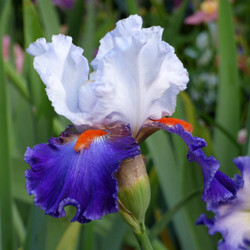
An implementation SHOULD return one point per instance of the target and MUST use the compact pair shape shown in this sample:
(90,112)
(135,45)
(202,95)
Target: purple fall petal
(59,176)
(217,186)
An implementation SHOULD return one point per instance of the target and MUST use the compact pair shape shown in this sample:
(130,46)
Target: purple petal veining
(59,176)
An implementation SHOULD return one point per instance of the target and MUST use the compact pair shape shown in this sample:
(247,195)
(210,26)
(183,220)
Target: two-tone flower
(232,217)
(134,85)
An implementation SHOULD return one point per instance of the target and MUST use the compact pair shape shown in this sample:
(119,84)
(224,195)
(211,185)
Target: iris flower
(134,85)
(232,217)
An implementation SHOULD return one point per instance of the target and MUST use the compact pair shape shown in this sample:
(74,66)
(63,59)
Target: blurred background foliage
(212,40)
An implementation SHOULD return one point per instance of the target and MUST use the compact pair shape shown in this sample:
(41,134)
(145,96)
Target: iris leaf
(75,20)
(172,33)
(69,239)
(88,239)
(131,7)
(36,232)
(18,184)
(88,42)
(228,99)
(49,17)
(166,218)
(113,229)
(158,245)
(6,227)
(18,81)
(18,223)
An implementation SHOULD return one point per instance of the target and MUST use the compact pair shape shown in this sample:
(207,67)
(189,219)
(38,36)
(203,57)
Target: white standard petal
(63,70)
(138,77)
(124,27)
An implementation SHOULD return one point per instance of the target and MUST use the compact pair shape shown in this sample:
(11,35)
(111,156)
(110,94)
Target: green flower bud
(134,192)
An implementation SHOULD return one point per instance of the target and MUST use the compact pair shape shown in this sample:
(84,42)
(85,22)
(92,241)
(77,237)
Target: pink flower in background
(19,57)
(6,47)
(65,4)
(18,53)
(208,12)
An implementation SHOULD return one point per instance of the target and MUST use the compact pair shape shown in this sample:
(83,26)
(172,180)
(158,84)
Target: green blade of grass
(159,226)
(18,81)
(88,42)
(49,17)
(112,227)
(18,223)
(75,20)
(131,7)
(88,239)
(18,184)
(42,109)
(6,221)
(228,99)
(36,231)
(69,238)
(172,33)
(158,245)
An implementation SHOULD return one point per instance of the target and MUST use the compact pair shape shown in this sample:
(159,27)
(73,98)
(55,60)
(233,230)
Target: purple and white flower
(136,79)
(232,217)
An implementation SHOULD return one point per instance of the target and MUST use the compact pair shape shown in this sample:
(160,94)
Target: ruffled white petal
(137,75)
(124,28)
(232,220)
(234,226)
(39,47)
(63,70)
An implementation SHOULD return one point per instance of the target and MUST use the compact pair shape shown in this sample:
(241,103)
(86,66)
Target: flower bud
(134,191)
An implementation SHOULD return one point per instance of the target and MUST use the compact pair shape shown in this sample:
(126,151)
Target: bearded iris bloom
(232,217)
(134,85)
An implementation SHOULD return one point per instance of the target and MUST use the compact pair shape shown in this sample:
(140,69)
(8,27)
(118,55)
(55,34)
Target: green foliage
(228,98)
(216,103)
(6,216)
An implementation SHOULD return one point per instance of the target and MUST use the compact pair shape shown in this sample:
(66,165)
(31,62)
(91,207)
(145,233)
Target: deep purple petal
(221,189)
(60,176)
(204,220)
(243,164)
(217,186)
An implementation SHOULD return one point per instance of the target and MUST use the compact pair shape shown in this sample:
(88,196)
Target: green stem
(143,240)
